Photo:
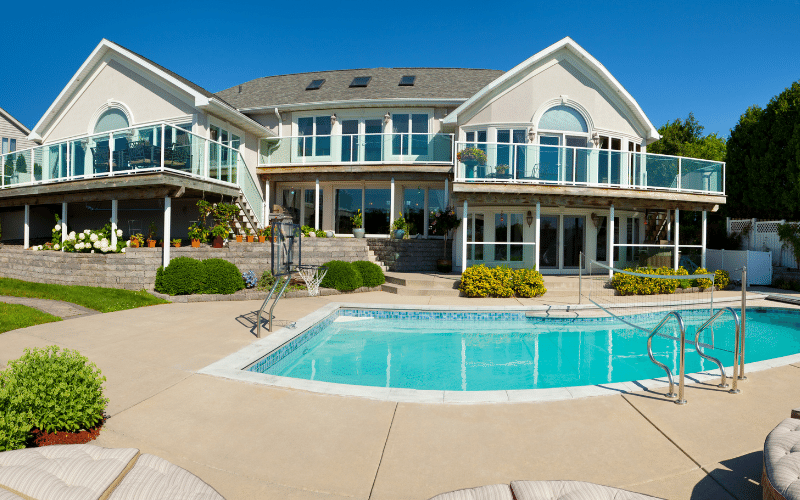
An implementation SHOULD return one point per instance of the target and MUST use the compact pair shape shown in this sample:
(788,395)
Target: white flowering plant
(87,241)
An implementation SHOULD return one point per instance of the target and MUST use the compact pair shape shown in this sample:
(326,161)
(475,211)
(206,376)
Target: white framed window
(410,134)
(5,146)
(314,136)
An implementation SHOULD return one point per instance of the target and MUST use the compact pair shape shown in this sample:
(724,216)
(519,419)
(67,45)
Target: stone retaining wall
(410,255)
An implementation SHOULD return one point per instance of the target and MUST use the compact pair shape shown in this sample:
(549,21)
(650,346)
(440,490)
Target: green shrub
(60,390)
(266,281)
(722,279)
(371,273)
(528,283)
(221,277)
(626,284)
(502,282)
(703,283)
(183,276)
(15,420)
(342,276)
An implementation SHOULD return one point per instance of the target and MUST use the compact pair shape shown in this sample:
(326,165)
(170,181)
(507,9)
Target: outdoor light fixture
(501,216)
(531,134)
(333,119)
(595,219)
(529,218)
(596,139)
(386,118)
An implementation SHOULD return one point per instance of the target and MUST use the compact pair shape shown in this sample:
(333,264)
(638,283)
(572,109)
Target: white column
(63,224)
(391,205)
(703,242)
(114,222)
(316,207)
(27,234)
(266,203)
(464,221)
(676,232)
(537,235)
(611,240)
(167,224)
(446,192)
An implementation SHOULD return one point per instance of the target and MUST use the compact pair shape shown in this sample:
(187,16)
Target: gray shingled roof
(431,83)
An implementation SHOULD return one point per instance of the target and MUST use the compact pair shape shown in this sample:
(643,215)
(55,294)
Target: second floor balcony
(558,165)
(355,149)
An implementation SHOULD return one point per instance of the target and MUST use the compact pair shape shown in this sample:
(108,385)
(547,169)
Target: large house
(542,162)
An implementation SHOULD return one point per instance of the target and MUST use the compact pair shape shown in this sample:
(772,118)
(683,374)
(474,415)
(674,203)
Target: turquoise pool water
(504,351)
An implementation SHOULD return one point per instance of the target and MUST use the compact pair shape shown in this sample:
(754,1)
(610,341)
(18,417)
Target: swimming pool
(505,350)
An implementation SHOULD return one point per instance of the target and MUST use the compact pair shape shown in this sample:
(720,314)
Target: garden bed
(242,295)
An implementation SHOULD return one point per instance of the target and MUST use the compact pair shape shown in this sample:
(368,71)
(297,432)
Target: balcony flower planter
(217,242)
(195,243)
(262,239)
(238,238)
(358,232)
(250,238)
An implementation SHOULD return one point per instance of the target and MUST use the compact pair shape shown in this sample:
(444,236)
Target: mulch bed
(43,438)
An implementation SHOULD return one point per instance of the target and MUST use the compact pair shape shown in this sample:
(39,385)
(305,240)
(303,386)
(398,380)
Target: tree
(764,159)
(685,138)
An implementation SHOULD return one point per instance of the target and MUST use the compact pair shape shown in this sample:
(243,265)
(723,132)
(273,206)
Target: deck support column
(464,222)
(27,232)
(676,233)
(266,203)
(703,240)
(536,235)
(63,224)
(114,222)
(167,224)
(446,193)
(316,207)
(611,240)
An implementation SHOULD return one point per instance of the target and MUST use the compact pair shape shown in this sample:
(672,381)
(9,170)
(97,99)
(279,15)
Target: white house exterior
(564,144)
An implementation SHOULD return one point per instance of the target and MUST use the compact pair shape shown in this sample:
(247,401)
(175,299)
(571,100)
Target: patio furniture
(543,490)
(87,472)
(177,157)
(142,154)
(99,159)
(780,479)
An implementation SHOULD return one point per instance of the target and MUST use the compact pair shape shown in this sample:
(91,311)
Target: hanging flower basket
(472,154)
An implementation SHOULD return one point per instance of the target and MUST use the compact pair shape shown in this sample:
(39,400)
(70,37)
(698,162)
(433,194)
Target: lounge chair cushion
(491,492)
(7,495)
(782,458)
(570,490)
(153,478)
(63,472)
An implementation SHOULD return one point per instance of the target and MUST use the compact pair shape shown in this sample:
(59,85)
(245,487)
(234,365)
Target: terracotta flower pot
(135,243)
(178,245)
(151,243)
(262,239)
(195,243)
(250,238)
(217,242)
(238,238)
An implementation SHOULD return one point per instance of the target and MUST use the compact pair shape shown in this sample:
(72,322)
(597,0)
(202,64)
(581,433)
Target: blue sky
(711,58)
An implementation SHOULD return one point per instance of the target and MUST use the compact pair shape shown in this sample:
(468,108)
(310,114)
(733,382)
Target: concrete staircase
(422,285)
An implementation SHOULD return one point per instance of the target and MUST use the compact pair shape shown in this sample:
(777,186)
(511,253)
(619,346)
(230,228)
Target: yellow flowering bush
(722,279)
(528,283)
(703,283)
(625,284)
(482,281)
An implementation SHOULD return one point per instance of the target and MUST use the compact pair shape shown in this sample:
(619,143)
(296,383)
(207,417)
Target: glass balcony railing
(539,164)
(357,149)
(151,148)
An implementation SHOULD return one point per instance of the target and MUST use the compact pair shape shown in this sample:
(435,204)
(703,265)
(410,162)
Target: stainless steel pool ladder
(698,346)
(283,284)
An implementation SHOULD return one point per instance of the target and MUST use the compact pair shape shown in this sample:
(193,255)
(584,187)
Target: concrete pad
(14,342)
(694,484)
(302,440)
(437,448)
(716,425)
(740,475)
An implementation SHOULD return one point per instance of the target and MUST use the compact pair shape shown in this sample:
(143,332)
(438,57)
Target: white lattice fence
(763,236)
(759,264)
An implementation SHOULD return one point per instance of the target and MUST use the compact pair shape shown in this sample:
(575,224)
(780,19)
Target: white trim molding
(110,104)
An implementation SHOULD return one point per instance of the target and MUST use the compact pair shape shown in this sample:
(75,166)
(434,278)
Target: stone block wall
(410,255)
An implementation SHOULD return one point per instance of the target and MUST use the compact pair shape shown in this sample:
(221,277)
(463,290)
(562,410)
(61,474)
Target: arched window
(111,119)
(563,118)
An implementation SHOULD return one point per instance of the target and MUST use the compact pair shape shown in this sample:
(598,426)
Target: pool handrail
(653,332)
(710,324)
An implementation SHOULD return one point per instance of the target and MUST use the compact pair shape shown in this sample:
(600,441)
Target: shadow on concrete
(249,320)
(739,476)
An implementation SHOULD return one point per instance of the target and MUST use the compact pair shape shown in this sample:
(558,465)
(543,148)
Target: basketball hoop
(313,276)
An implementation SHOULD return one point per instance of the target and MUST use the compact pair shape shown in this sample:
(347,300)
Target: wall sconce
(333,119)
(386,118)
(529,218)
(531,135)
(596,139)
(502,216)
(595,219)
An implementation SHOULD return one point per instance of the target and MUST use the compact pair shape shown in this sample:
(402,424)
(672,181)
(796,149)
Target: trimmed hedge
(482,281)
(221,277)
(186,276)
(371,273)
(342,276)
(625,284)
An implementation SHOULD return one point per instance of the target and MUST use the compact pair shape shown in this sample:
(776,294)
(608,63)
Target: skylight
(360,81)
(407,81)
(315,84)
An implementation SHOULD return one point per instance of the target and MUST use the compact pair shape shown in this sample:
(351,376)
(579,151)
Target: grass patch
(93,297)
(13,316)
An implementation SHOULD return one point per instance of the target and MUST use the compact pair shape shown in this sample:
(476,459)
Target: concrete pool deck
(255,441)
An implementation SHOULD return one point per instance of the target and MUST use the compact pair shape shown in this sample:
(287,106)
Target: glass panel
(436,200)
(372,140)
(376,211)
(120,156)
(602,161)
(563,118)
(291,204)
(548,158)
(632,238)
(178,151)
(500,236)
(516,236)
(601,250)
(419,141)
(519,153)
(414,210)
(305,127)
(503,153)
(5,146)
(13,145)
(400,137)
(479,224)
(574,230)
(308,208)
(349,140)
(323,144)
(548,250)
(616,160)
(348,203)
(113,119)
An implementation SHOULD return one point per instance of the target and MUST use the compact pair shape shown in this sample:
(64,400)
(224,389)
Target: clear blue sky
(712,58)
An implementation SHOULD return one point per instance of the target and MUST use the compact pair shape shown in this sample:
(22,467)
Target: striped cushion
(7,495)
(782,458)
(491,492)
(153,478)
(63,472)
(570,490)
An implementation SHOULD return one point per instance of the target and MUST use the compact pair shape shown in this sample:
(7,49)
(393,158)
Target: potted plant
(239,238)
(470,157)
(137,240)
(502,171)
(358,223)
(250,236)
(219,232)
(399,226)
(442,222)
(151,235)
(263,234)
(197,234)
(176,242)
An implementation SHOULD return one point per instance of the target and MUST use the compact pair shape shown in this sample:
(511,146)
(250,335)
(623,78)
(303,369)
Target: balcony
(361,149)
(151,148)
(569,166)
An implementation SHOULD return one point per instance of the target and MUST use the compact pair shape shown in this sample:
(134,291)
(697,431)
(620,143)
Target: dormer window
(315,84)
(407,81)
(360,81)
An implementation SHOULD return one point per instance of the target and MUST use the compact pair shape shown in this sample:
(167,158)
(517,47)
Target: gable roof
(13,121)
(576,50)
(203,99)
(446,85)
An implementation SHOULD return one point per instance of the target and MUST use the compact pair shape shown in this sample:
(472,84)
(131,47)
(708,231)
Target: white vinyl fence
(763,236)
(759,264)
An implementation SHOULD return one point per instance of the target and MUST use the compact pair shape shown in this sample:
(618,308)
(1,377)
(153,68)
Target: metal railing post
(162,147)
(681,400)
(743,322)
(680,172)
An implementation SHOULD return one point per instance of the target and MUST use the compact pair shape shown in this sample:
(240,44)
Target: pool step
(421,285)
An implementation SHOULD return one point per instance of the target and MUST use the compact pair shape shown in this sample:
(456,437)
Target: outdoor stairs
(247,217)
(563,286)
(422,284)
(372,257)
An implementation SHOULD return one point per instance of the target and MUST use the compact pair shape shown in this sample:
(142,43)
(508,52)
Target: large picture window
(410,132)
(374,206)
(315,136)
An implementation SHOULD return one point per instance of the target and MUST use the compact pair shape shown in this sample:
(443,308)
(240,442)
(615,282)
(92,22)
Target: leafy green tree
(685,138)
(764,159)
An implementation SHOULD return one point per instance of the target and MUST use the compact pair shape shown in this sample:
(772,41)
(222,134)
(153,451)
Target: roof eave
(234,116)
(356,103)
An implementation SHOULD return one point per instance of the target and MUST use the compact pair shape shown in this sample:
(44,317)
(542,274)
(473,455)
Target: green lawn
(93,297)
(13,316)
